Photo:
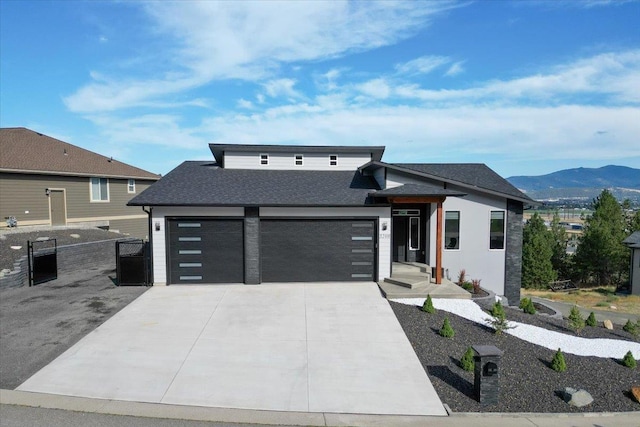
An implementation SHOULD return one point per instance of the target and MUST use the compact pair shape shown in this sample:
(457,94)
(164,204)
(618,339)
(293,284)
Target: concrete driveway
(312,347)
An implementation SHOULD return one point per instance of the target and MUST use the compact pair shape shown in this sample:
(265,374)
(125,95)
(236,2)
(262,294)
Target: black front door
(400,238)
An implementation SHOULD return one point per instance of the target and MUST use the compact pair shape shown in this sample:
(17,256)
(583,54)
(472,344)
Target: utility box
(486,371)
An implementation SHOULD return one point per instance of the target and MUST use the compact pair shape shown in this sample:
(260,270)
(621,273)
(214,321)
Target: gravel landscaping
(527,383)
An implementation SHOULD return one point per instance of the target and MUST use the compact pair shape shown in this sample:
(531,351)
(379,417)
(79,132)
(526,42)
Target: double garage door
(301,250)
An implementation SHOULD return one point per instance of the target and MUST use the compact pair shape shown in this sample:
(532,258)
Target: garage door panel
(206,251)
(317,250)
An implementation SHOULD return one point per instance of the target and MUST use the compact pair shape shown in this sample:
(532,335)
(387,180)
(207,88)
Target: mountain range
(581,183)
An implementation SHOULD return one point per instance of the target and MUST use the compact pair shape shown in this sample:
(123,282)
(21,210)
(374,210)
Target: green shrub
(591,320)
(428,307)
(527,306)
(629,361)
(523,303)
(632,328)
(446,330)
(576,321)
(467,360)
(467,286)
(498,310)
(558,363)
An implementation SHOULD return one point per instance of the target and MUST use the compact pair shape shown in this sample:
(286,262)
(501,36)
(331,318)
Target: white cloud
(377,88)
(281,88)
(422,65)
(207,41)
(244,104)
(455,69)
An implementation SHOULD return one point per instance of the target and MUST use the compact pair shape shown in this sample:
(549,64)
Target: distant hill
(581,183)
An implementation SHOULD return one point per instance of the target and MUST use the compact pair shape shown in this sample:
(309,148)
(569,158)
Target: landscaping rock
(42,239)
(75,236)
(635,391)
(577,398)
(608,324)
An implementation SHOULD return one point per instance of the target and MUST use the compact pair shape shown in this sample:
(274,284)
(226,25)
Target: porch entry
(408,235)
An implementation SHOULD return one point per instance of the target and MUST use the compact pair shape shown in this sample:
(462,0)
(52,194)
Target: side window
(299,159)
(452,230)
(333,160)
(496,230)
(131,186)
(414,233)
(99,190)
(264,159)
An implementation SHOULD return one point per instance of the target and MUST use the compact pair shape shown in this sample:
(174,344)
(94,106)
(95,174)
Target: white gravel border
(599,347)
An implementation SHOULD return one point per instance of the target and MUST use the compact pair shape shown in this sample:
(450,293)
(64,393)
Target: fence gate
(43,261)
(132,262)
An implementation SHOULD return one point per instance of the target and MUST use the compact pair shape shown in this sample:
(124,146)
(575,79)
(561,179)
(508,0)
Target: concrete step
(446,290)
(410,282)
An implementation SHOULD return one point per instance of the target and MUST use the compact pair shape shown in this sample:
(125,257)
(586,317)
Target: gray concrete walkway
(314,347)
(564,308)
(85,410)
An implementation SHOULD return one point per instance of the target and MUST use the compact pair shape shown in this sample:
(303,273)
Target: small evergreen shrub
(558,363)
(467,286)
(428,307)
(498,310)
(632,328)
(629,361)
(467,360)
(446,330)
(576,321)
(591,320)
(527,306)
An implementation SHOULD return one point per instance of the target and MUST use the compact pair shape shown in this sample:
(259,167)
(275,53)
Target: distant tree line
(600,258)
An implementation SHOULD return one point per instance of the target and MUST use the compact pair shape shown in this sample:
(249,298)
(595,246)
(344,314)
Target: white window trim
(332,160)
(300,159)
(504,230)
(108,199)
(266,159)
(444,243)
(131,189)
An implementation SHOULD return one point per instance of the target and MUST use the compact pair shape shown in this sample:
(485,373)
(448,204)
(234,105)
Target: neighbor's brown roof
(23,150)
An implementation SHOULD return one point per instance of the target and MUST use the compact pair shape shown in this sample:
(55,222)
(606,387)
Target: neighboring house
(45,181)
(273,213)
(633,242)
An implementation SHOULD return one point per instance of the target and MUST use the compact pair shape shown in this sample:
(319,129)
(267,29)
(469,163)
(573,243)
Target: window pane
(452,230)
(95,188)
(104,192)
(414,233)
(496,230)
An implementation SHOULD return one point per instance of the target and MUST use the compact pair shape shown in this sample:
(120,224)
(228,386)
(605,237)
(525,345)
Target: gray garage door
(205,251)
(317,250)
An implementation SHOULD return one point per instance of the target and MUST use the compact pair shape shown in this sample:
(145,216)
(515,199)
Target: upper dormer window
(299,160)
(264,159)
(333,160)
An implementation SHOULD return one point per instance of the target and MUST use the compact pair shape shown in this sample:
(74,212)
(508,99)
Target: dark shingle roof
(416,190)
(26,151)
(201,183)
(633,241)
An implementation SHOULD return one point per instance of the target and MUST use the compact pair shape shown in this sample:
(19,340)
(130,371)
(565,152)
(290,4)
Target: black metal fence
(133,263)
(43,261)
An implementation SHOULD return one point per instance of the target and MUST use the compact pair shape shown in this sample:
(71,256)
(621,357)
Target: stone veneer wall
(513,252)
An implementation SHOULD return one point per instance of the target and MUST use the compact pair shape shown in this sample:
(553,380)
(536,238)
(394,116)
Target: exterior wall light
(47,192)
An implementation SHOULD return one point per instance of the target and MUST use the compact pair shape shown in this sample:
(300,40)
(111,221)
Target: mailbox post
(486,373)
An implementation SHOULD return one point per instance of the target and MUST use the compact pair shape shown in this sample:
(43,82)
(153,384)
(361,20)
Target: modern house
(274,213)
(45,181)
(633,242)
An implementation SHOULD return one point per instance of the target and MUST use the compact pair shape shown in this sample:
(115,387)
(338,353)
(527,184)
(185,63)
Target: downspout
(148,212)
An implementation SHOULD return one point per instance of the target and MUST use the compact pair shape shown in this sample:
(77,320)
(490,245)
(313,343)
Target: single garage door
(206,251)
(317,250)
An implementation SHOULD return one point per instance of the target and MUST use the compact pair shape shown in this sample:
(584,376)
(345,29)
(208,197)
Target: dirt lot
(600,298)
(38,324)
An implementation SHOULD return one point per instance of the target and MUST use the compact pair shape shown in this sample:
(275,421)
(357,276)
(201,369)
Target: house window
(452,230)
(496,230)
(333,160)
(99,190)
(131,186)
(264,159)
(299,160)
(414,233)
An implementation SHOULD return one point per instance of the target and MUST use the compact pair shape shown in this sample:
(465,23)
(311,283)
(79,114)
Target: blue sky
(527,87)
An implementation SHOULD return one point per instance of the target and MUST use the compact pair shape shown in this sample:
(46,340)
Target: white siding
(382,213)
(158,216)
(474,254)
(286,161)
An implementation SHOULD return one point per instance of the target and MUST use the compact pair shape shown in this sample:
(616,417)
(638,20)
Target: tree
(601,256)
(537,269)
(558,363)
(560,260)
(428,307)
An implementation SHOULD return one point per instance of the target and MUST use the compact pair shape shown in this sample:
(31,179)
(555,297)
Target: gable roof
(633,241)
(202,183)
(25,151)
(419,190)
(476,176)
(218,150)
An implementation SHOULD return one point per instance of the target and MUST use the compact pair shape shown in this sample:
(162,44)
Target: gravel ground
(527,383)
(17,237)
